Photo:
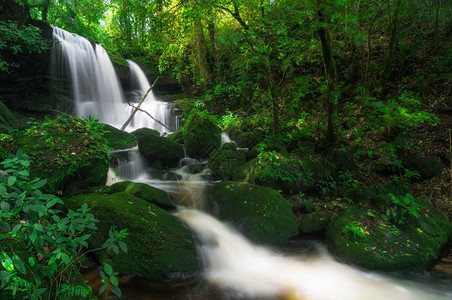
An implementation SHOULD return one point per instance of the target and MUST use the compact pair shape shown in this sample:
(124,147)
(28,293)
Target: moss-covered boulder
(156,148)
(160,247)
(145,131)
(66,151)
(428,166)
(176,137)
(146,192)
(260,213)
(7,119)
(226,164)
(118,139)
(315,222)
(290,173)
(365,237)
(201,135)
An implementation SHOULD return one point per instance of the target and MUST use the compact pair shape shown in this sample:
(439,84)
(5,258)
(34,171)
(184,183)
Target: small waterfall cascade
(159,110)
(256,272)
(86,70)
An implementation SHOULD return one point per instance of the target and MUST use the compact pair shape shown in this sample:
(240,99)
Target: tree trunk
(45,9)
(436,34)
(201,52)
(333,92)
(214,46)
(392,39)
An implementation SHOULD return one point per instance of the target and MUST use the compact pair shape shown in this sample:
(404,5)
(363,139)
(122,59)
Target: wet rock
(119,139)
(145,131)
(156,148)
(225,164)
(260,213)
(160,247)
(201,135)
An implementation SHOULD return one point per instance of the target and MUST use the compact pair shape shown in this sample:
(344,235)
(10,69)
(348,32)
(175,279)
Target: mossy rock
(118,139)
(224,164)
(315,222)
(229,146)
(260,213)
(66,151)
(160,247)
(157,148)
(7,119)
(361,236)
(176,137)
(146,192)
(290,173)
(428,166)
(201,135)
(145,131)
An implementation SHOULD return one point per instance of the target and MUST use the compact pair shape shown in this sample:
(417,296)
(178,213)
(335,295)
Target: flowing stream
(234,267)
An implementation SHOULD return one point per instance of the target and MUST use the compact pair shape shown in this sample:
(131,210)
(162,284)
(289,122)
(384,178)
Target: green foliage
(19,39)
(52,238)
(403,208)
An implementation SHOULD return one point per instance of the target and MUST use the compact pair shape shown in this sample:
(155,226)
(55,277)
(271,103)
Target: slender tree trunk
(390,57)
(333,91)
(201,52)
(214,46)
(436,34)
(45,9)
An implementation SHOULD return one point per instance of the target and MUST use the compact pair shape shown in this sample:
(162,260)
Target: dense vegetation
(342,103)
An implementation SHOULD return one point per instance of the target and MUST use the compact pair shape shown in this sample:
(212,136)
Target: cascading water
(95,87)
(164,120)
(232,263)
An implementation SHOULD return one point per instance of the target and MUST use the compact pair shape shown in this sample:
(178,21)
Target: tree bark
(214,46)
(201,52)
(392,39)
(331,77)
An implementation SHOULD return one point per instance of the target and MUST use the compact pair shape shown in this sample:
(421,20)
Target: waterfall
(87,71)
(161,111)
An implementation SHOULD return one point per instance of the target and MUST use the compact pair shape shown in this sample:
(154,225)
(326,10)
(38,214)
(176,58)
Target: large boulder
(146,192)
(201,135)
(145,131)
(260,213)
(365,237)
(291,174)
(156,148)
(226,163)
(65,151)
(160,247)
(118,139)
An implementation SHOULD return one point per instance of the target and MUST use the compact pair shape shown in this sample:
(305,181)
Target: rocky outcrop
(157,149)
(160,247)
(260,213)
(363,237)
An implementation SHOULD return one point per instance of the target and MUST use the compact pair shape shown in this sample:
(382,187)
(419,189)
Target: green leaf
(33,235)
(38,227)
(11,180)
(65,258)
(108,269)
(31,261)
(2,190)
(4,226)
(117,291)
(123,246)
(5,206)
(24,173)
(7,263)
(114,281)
(18,264)
(17,228)
(103,288)
(40,184)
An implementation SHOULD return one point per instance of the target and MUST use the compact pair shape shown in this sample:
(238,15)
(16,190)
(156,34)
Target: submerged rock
(201,135)
(118,139)
(364,237)
(260,213)
(160,247)
(156,148)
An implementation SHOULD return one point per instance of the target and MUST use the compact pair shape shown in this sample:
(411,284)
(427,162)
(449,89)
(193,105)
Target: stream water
(234,268)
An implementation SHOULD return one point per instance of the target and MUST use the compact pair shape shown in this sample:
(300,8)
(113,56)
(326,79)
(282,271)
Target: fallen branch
(139,104)
(142,110)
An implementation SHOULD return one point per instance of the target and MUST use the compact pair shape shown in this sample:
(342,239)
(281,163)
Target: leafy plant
(44,242)
(403,207)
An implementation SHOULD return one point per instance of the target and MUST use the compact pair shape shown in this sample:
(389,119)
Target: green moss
(146,192)
(160,247)
(159,148)
(176,137)
(118,139)
(261,213)
(66,150)
(145,131)
(201,135)
(361,236)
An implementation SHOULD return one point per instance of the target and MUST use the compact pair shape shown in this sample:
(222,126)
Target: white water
(232,262)
(96,90)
